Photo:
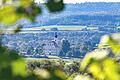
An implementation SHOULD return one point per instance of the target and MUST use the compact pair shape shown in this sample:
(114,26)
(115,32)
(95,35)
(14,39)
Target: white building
(52,47)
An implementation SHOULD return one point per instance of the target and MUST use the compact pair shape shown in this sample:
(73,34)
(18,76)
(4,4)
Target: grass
(56,26)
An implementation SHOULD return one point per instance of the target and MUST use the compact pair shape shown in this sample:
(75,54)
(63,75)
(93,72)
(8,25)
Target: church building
(52,47)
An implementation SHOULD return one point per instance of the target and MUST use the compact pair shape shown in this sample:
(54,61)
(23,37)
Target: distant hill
(85,20)
(82,14)
(94,6)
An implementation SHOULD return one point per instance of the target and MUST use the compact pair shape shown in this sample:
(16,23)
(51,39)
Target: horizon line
(79,2)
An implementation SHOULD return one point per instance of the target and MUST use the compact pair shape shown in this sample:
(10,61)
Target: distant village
(44,43)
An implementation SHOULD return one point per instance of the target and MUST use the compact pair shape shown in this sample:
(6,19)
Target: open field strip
(56,26)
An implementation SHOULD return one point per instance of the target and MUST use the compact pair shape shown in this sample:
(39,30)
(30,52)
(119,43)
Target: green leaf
(19,68)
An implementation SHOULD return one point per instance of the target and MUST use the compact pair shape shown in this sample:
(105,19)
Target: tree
(69,54)
(30,50)
(64,48)
(61,53)
(74,52)
(54,29)
(39,49)
(43,29)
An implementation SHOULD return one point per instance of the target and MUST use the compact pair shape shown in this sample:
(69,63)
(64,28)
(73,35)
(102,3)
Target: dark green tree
(64,48)
(69,54)
(39,49)
(76,51)
(30,50)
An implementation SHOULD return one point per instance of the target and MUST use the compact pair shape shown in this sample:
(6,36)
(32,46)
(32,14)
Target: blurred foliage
(55,5)
(12,66)
(13,10)
(99,64)
(67,67)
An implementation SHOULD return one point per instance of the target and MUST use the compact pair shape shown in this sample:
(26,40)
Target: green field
(56,26)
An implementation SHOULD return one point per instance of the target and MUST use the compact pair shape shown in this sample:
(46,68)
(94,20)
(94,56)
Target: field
(56,26)
(56,58)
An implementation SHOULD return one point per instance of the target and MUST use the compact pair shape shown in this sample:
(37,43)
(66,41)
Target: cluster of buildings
(31,43)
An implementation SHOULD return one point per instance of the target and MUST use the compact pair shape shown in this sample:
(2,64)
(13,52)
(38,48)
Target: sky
(82,1)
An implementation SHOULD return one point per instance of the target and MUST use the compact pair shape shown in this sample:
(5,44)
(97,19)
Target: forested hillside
(82,14)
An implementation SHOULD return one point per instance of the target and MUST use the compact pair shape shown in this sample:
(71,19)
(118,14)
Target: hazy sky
(79,1)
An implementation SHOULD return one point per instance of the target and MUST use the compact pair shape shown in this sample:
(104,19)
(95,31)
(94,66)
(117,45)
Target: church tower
(55,40)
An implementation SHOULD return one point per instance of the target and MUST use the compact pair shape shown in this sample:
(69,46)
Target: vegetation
(101,64)
(65,48)
(69,51)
